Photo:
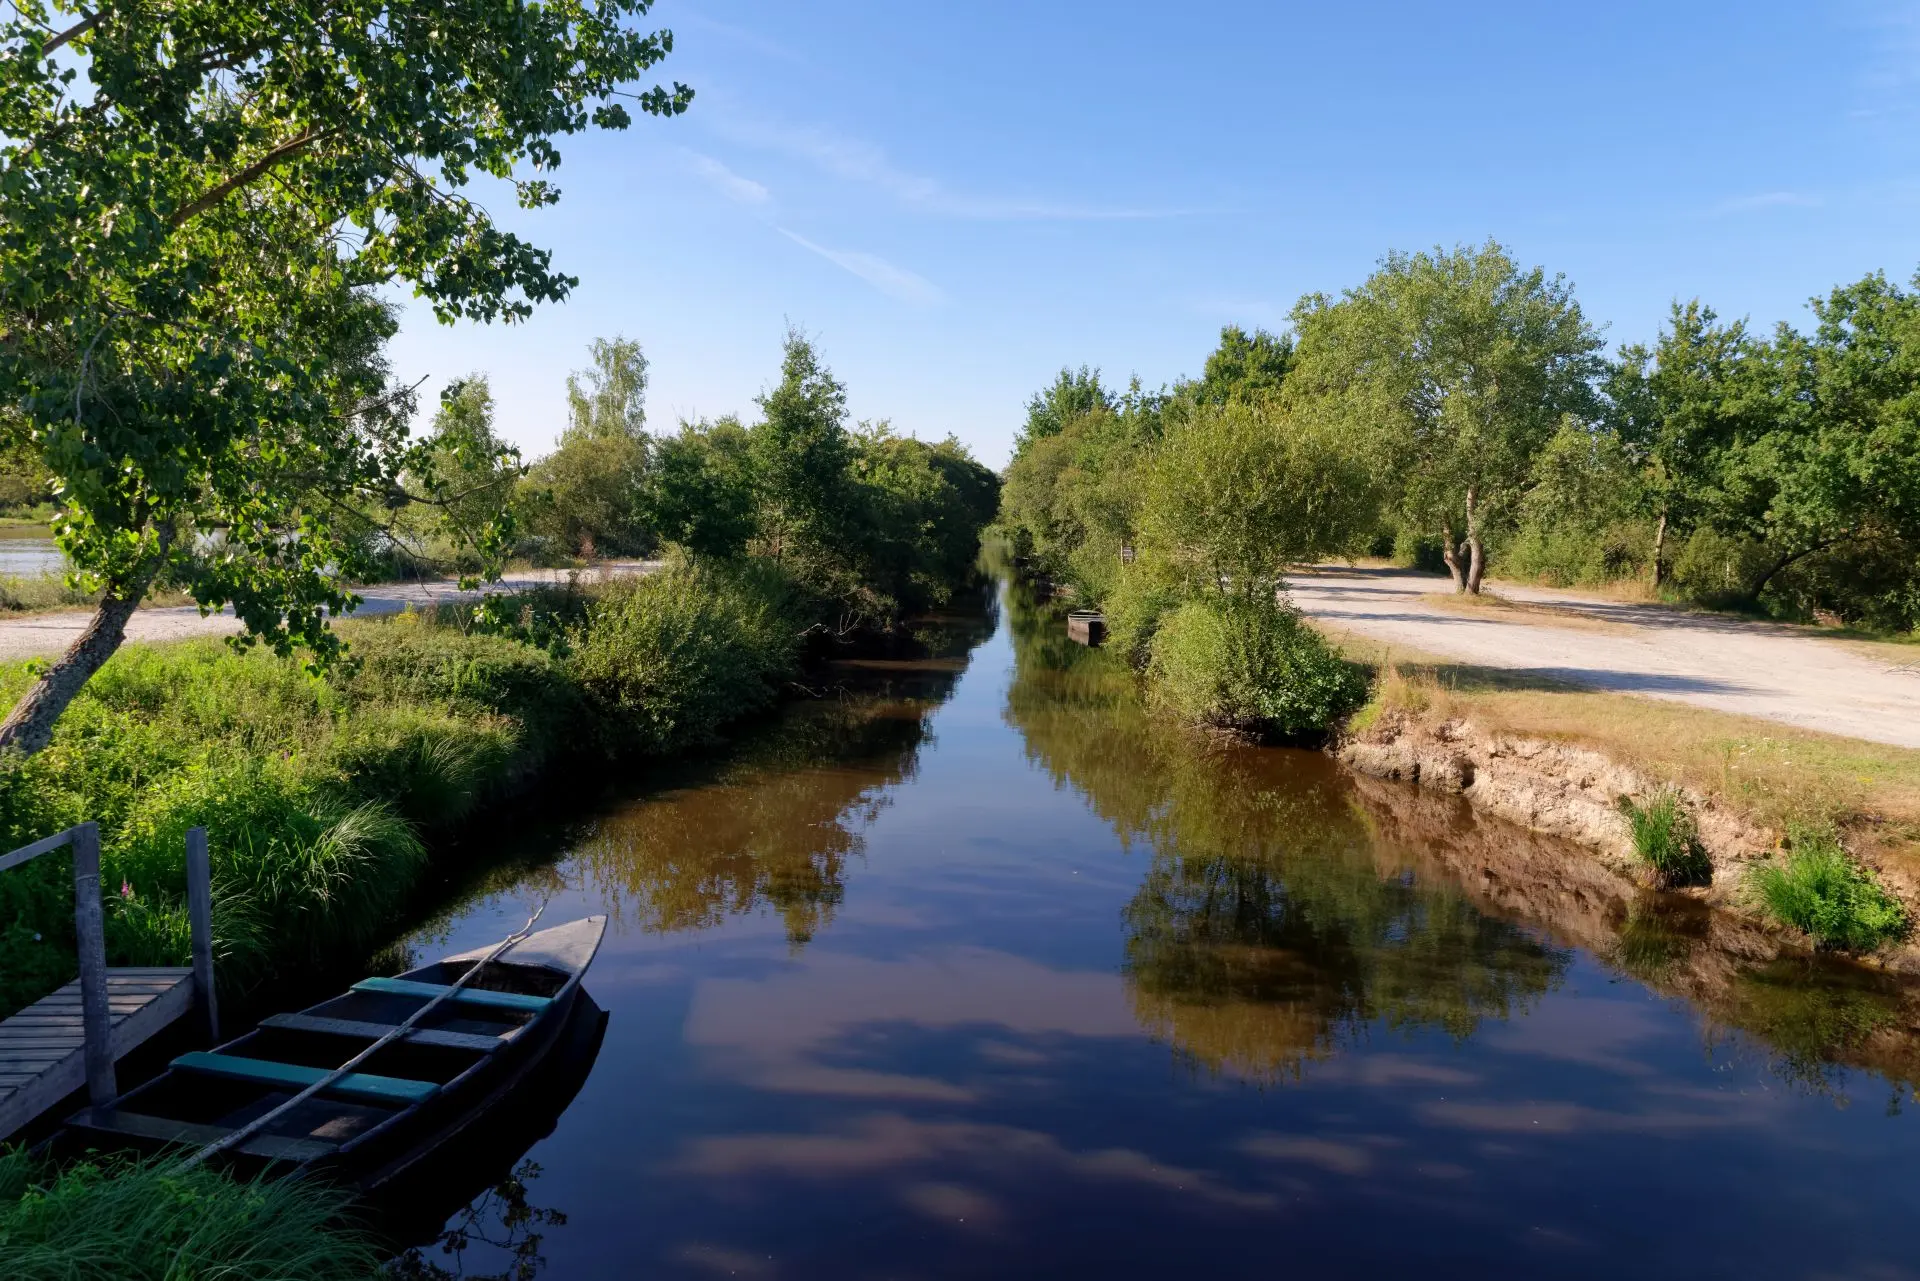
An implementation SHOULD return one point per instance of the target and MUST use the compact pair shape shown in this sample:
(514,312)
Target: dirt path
(46,635)
(1785,674)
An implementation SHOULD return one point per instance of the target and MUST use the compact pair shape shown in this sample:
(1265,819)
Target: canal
(973,969)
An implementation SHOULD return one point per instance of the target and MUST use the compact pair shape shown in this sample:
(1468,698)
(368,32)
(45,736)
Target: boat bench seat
(366,1086)
(474,996)
(374,1031)
(273,1147)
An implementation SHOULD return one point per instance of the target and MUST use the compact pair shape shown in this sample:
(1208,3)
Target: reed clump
(1667,839)
(1820,889)
(150,1221)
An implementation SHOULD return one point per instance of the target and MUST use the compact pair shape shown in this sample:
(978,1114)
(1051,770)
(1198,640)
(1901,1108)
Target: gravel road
(46,635)
(1787,674)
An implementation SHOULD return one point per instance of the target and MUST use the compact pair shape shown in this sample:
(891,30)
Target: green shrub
(1821,890)
(1134,610)
(1666,839)
(674,658)
(130,1221)
(1251,664)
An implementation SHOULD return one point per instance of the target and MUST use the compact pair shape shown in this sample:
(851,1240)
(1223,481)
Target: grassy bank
(129,1222)
(1830,803)
(323,794)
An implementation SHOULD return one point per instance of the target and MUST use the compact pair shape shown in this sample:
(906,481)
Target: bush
(674,658)
(1665,838)
(1821,890)
(1251,664)
(129,1221)
(1134,610)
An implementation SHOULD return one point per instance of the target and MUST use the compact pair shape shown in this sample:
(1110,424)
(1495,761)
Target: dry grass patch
(1775,774)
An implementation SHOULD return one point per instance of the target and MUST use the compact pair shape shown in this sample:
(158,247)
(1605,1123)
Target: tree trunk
(29,726)
(1659,550)
(1476,551)
(1450,553)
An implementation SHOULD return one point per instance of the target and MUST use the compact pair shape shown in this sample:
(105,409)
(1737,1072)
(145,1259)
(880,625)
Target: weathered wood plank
(167,1130)
(374,1031)
(200,929)
(474,996)
(89,930)
(130,1028)
(27,853)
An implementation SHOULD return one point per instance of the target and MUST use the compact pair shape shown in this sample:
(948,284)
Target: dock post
(200,916)
(89,926)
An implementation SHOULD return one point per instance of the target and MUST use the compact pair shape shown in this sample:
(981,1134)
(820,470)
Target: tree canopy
(233,179)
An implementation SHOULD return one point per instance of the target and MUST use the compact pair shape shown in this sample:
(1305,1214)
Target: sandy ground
(46,635)
(1786,674)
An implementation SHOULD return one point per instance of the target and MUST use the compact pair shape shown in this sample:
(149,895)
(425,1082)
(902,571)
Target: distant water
(29,554)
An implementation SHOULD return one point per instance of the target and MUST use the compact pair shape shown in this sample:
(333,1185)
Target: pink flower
(126,888)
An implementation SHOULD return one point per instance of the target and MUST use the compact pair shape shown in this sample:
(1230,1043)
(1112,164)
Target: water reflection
(1291,907)
(1264,934)
(775,828)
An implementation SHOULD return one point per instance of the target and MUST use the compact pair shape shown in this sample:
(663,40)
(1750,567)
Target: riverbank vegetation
(324,791)
(1458,411)
(146,1222)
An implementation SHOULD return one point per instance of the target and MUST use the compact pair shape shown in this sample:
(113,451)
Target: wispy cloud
(1769,200)
(862,162)
(895,282)
(730,184)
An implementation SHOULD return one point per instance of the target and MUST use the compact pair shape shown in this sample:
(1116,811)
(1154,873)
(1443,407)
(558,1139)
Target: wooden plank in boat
(167,1130)
(374,1031)
(360,1085)
(478,997)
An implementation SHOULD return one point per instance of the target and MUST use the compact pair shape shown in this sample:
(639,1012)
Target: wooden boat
(463,1058)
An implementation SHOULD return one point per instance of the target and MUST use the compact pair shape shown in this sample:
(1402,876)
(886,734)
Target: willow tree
(197,200)
(1458,366)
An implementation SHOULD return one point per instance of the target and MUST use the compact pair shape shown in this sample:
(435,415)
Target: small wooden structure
(76,1035)
(1087,626)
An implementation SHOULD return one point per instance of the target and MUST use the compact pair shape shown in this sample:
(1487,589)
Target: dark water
(976,971)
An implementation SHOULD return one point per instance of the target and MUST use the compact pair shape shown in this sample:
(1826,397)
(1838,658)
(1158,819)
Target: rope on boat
(260,1122)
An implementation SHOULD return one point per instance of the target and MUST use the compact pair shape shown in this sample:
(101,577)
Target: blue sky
(956,200)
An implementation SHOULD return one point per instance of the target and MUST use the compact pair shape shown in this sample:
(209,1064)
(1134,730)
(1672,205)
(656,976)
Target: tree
(1838,462)
(1245,367)
(1238,492)
(610,397)
(1460,366)
(470,470)
(700,489)
(1070,396)
(230,179)
(1677,409)
(801,454)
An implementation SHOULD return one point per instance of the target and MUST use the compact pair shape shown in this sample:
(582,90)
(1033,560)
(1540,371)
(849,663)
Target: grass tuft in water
(1666,838)
(1820,889)
(138,1220)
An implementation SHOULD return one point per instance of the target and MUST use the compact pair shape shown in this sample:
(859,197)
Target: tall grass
(320,795)
(1820,889)
(1666,838)
(138,1221)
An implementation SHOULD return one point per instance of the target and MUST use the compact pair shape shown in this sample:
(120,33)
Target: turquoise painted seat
(365,1086)
(477,997)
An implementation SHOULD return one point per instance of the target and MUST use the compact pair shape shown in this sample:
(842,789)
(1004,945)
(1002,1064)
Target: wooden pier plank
(42,1048)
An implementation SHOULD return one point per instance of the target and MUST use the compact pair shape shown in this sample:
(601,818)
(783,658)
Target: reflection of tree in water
(1262,935)
(776,826)
(502,1221)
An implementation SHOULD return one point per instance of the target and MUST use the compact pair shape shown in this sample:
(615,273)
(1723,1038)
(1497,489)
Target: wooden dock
(43,1048)
(74,1036)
